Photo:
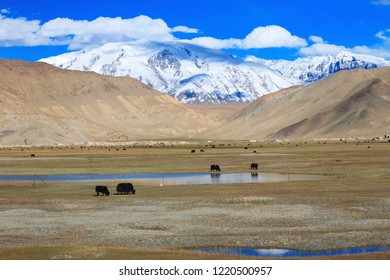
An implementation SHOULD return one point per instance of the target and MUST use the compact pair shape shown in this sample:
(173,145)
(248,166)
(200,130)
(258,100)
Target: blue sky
(277,29)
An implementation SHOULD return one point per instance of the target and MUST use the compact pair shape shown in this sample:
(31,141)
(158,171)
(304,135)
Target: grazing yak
(215,167)
(254,166)
(103,190)
(125,188)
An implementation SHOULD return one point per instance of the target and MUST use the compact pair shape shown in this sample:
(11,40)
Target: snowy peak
(311,69)
(190,73)
(194,74)
(165,62)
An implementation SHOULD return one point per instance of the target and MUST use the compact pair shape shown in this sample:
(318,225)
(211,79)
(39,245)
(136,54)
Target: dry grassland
(349,207)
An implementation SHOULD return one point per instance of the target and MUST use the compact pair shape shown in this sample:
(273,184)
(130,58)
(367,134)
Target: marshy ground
(348,207)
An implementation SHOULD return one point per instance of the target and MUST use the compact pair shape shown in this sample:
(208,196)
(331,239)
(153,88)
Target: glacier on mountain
(190,73)
(310,69)
(194,74)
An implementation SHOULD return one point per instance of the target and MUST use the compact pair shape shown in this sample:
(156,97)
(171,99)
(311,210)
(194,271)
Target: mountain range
(194,74)
(311,69)
(189,73)
(43,104)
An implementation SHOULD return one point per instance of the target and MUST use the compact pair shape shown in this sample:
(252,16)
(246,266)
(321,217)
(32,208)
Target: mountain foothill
(46,105)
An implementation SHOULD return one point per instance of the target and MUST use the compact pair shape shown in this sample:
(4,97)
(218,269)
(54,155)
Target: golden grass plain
(349,207)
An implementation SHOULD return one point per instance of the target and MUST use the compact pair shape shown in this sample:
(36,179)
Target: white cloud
(318,49)
(316,39)
(381,2)
(384,35)
(271,36)
(213,43)
(185,29)
(79,33)
(321,49)
(4,11)
(20,32)
(378,51)
(103,30)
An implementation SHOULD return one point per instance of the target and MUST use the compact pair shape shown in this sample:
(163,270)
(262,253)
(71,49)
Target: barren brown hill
(348,104)
(41,104)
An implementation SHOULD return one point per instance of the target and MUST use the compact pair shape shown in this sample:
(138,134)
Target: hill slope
(42,104)
(347,104)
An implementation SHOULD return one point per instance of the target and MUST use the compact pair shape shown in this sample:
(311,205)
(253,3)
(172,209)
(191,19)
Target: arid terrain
(348,207)
(42,105)
(56,121)
(350,104)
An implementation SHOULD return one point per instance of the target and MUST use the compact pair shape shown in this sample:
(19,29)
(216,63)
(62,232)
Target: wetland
(347,206)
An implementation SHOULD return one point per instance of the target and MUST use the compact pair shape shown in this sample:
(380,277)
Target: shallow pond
(168,178)
(281,253)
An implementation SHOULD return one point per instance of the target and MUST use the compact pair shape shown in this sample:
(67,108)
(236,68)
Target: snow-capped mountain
(194,74)
(311,69)
(190,73)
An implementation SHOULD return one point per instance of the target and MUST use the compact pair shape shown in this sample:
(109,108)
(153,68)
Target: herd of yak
(121,188)
(127,188)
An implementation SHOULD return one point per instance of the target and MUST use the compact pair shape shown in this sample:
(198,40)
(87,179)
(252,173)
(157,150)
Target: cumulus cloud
(185,29)
(271,36)
(102,30)
(79,33)
(316,39)
(20,32)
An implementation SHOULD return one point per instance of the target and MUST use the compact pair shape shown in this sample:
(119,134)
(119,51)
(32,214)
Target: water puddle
(168,178)
(281,253)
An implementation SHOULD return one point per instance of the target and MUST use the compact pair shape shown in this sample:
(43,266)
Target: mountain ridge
(46,105)
(194,74)
(348,104)
(190,73)
(311,69)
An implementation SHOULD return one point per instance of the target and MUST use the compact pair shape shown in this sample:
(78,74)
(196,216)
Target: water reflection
(169,178)
(281,253)
(215,178)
